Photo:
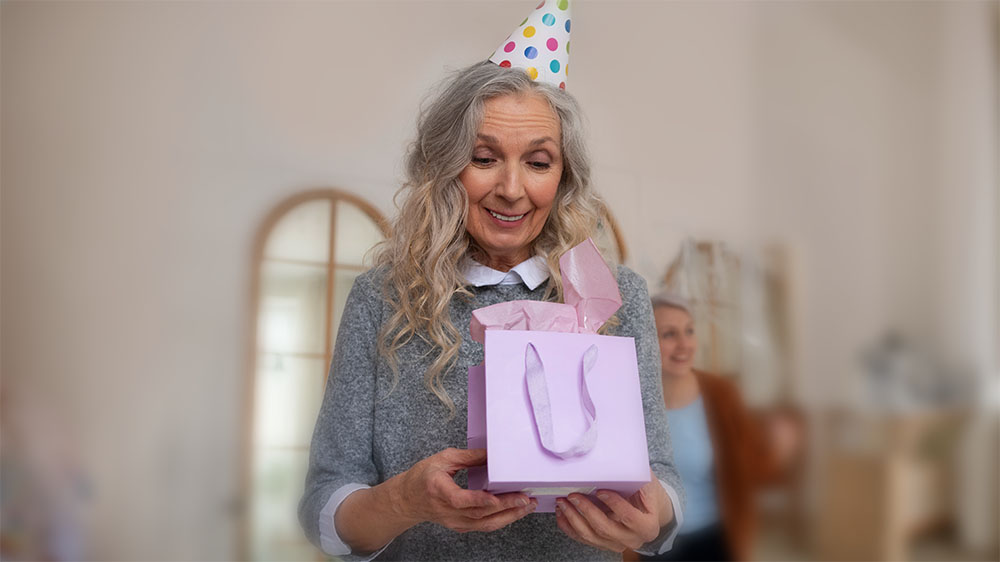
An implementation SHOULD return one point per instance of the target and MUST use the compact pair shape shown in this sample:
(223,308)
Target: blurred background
(188,191)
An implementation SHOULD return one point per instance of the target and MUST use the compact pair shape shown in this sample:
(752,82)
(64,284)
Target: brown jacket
(743,460)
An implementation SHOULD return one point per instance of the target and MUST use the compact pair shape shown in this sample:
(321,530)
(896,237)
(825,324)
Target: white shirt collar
(532,272)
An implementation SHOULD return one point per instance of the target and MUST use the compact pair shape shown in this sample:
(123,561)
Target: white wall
(142,143)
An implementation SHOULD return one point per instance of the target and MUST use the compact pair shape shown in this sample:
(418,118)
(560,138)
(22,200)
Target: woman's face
(678,342)
(513,177)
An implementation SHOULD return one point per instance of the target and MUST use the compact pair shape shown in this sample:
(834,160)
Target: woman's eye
(540,165)
(482,160)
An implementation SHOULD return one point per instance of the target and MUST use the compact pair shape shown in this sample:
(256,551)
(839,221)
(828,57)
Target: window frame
(263,234)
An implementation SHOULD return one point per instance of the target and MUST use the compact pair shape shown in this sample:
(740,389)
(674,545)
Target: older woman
(722,456)
(498,189)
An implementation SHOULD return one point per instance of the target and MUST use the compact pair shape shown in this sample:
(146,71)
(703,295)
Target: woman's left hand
(631,522)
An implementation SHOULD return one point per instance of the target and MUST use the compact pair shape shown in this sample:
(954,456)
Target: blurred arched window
(308,253)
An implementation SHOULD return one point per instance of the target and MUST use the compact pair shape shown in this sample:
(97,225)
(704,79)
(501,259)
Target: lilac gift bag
(558,407)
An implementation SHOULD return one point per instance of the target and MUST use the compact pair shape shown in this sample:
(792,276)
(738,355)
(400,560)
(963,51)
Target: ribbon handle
(538,396)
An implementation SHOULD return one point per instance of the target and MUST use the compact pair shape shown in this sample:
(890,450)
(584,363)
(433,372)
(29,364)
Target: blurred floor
(774,545)
(936,549)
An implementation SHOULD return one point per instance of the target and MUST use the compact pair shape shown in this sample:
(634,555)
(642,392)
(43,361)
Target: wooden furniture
(886,480)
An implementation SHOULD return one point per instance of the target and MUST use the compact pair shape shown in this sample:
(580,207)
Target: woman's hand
(631,522)
(370,518)
(427,492)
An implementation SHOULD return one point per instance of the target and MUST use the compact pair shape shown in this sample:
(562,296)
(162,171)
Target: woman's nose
(510,185)
(685,343)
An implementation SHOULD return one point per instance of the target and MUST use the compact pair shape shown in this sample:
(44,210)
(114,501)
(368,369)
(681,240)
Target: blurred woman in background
(718,446)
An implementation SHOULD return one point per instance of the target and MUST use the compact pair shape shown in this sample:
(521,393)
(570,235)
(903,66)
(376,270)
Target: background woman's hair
(672,300)
(422,256)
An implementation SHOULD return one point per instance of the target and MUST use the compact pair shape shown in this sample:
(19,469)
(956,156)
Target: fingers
(563,523)
(439,499)
(621,510)
(457,459)
(505,517)
(452,495)
(464,523)
(634,514)
(624,527)
(581,526)
(474,504)
(498,503)
(513,501)
(473,499)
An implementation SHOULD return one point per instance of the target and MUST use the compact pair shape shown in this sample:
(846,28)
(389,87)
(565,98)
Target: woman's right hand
(370,518)
(428,492)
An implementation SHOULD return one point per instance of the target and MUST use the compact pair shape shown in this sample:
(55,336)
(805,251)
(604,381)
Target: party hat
(540,45)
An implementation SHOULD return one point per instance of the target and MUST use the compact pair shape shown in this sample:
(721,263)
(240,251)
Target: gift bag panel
(517,460)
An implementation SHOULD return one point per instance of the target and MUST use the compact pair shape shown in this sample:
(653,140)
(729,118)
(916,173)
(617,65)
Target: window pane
(292,308)
(302,234)
(278,478)
(287,398)
(343,280)
(293,346)
(356,234)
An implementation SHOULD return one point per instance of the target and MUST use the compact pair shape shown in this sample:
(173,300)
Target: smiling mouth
(506,218)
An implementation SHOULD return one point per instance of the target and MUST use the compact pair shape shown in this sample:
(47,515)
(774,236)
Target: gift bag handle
(538,395)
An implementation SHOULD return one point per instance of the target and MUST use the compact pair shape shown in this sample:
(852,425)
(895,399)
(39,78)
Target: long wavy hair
(428,240)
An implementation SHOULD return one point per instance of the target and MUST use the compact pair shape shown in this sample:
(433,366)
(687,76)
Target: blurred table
(886,479)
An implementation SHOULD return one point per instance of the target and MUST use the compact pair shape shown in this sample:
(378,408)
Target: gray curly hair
(428,239)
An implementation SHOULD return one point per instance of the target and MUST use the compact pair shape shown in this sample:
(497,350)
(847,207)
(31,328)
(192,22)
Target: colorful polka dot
(525,47)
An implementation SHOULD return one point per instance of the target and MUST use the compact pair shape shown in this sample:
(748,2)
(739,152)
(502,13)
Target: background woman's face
(513,176)
(678,343)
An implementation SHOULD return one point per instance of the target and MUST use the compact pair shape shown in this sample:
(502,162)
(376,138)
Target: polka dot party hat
(540,45)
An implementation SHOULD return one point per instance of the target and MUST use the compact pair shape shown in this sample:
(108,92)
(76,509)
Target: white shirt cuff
(668,541)
(329,539)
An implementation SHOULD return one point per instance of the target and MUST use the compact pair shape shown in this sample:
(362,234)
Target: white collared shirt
(532,272)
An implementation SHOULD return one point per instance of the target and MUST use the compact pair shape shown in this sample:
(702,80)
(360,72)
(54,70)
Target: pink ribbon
(591,295)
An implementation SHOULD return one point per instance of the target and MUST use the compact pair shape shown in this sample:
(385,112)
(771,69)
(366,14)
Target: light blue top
(695,461)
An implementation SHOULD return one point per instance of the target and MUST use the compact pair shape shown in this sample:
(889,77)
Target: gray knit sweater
(367,434)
